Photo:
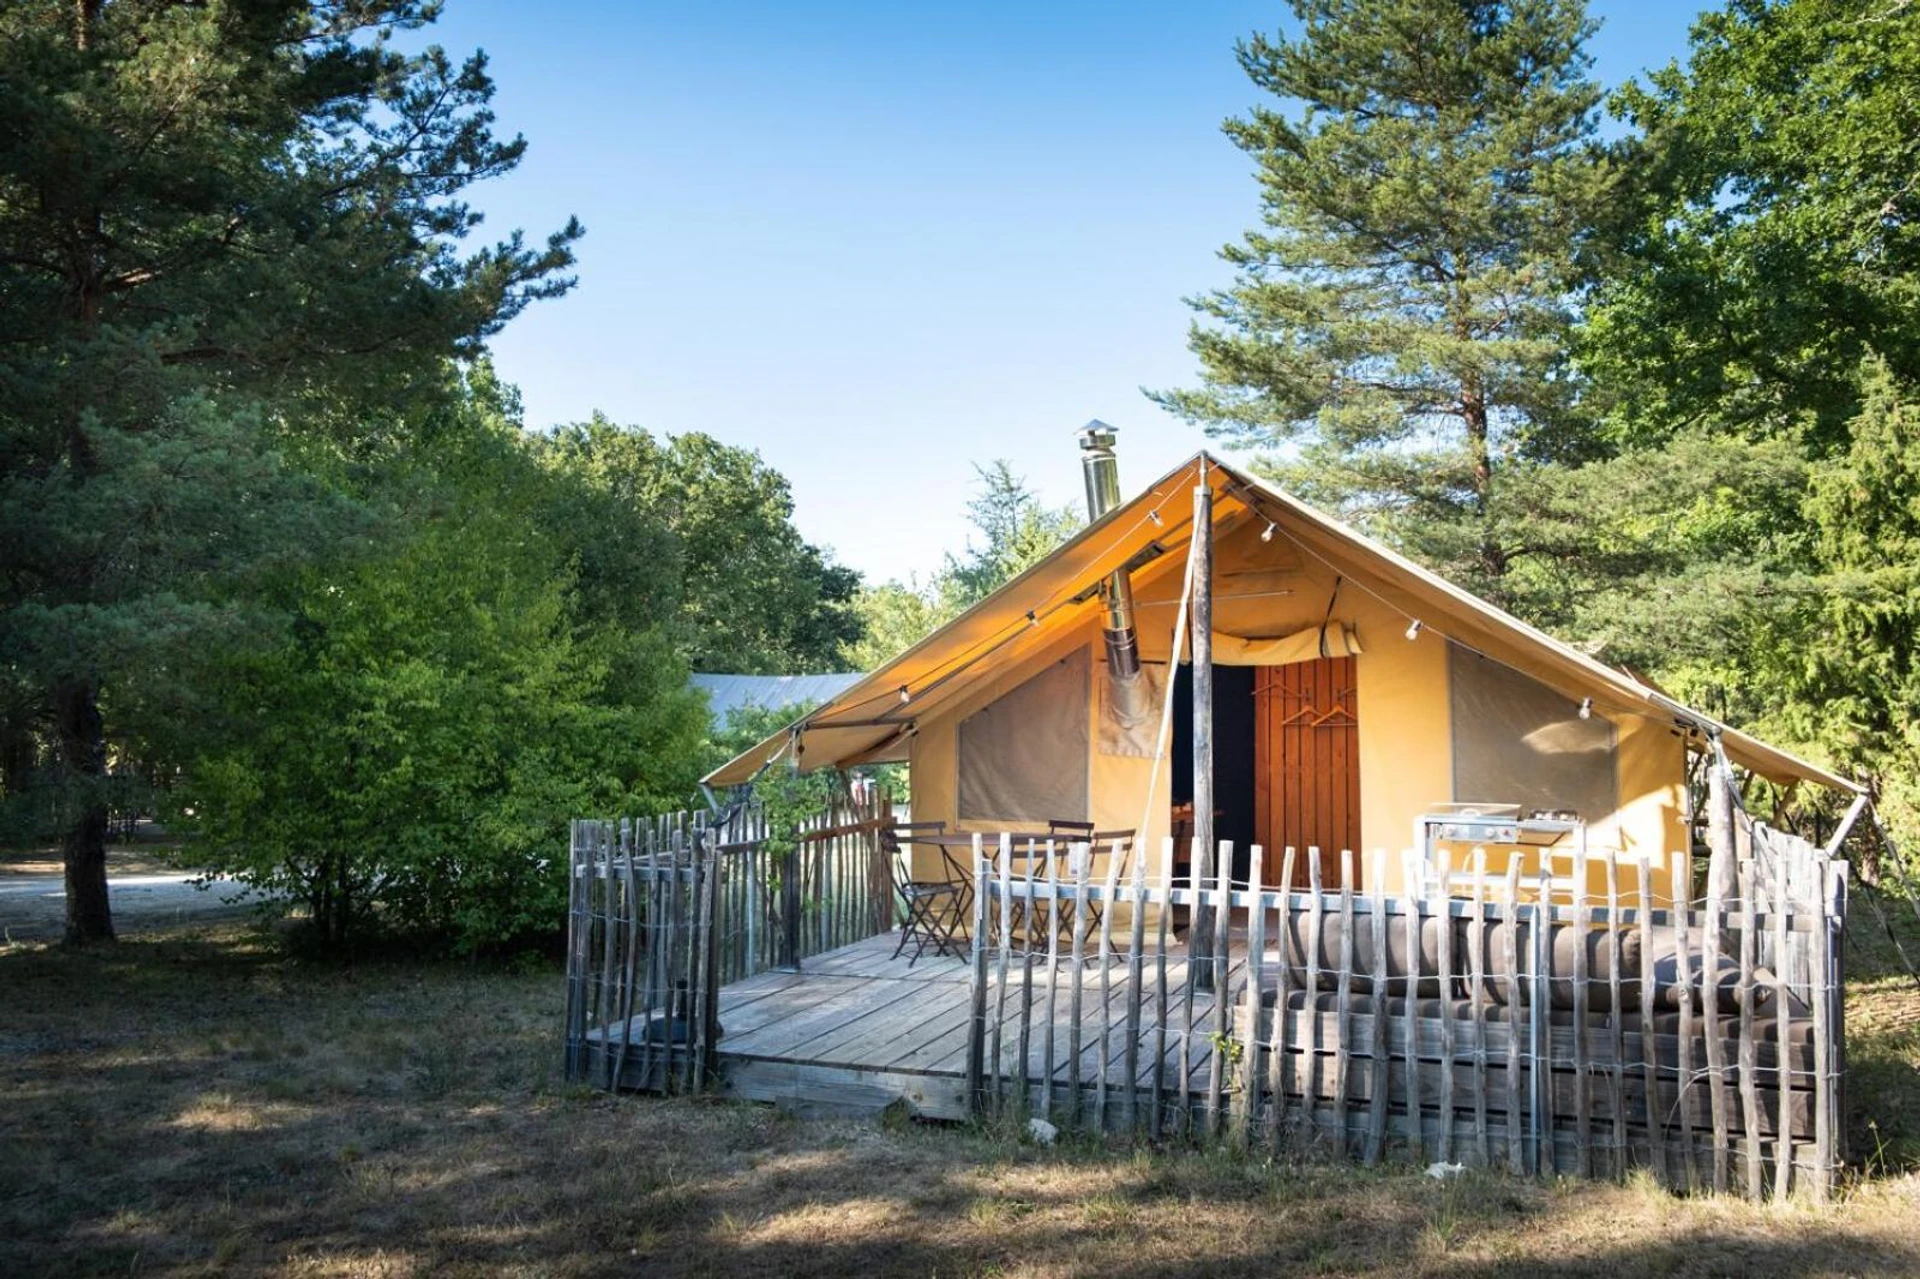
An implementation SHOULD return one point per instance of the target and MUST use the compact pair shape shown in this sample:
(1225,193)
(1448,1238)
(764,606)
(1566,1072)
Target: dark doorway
(1234,757)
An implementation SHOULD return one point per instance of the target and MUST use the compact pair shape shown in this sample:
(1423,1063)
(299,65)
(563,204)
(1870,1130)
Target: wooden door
(1307,783)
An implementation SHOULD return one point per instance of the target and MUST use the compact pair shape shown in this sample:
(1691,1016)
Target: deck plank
(789,1038)
(858,1023)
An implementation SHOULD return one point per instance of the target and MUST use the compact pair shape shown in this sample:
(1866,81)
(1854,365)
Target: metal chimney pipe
(1101,470)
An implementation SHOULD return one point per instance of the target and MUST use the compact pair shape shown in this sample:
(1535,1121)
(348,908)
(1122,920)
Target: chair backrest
(898,836)
(896,840)
(1061,826)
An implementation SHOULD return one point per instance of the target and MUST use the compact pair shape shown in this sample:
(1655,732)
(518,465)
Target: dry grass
(213,1103)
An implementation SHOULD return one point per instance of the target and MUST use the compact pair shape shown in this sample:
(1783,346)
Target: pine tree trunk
(83,760)
(1493,558)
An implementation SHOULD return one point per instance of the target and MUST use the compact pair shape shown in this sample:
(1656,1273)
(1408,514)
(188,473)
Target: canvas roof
(873,719)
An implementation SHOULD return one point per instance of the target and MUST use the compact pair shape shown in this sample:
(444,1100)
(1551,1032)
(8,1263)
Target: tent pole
(1200,932)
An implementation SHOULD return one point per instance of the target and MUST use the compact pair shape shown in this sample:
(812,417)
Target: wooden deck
(858,1030)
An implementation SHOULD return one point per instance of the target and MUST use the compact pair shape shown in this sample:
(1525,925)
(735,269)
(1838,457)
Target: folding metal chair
(934,908)
(1077,832)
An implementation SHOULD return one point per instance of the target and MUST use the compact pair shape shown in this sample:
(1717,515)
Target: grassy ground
(210,1102)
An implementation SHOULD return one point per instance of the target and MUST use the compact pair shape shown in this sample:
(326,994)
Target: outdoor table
(1027,846)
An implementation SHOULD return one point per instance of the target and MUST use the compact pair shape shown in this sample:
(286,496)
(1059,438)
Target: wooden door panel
(1308,783)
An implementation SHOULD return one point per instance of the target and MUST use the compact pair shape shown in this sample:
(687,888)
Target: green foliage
(1847,672)
(1752,338)
(1773,240)
(406,753)
(226,230)
(1399,319)
(788,800)
(720,556)
(748,726)
(1016,531)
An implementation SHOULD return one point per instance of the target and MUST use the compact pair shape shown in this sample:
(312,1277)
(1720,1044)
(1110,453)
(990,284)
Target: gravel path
(33,907)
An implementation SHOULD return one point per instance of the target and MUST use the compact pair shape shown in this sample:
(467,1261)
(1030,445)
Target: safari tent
(1230,821)
(1358,700)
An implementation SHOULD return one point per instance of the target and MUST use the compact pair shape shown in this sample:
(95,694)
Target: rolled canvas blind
(1023,757)
(1516,741)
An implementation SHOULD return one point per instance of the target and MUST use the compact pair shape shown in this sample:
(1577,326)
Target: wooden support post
(1200,936)
(977,980)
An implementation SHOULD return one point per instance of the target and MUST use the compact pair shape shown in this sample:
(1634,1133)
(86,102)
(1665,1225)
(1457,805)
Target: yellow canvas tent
(1417,691)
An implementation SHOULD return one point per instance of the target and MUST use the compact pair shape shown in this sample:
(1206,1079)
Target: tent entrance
(1235,762)
(1307,776)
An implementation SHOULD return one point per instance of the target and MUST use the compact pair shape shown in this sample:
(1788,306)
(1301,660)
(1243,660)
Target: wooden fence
(664,911)
(1487,1020)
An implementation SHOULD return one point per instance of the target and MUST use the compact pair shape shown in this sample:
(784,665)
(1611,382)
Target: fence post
(977,983)
(793,865)
(576,967)
(706,849)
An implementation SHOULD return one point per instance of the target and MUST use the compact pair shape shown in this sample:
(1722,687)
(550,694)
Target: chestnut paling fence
(664,911)
(1481,1017)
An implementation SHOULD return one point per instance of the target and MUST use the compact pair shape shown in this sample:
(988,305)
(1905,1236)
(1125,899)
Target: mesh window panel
(1516,741)
(1023,757)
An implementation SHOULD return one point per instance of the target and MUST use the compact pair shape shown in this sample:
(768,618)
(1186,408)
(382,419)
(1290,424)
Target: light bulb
(1266,534)
(1413,631)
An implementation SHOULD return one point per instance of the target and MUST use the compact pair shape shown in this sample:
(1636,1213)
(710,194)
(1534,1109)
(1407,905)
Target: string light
(1266,534)
(1586,708)
(1031,619)
(1154,515)
(905,696)
(1413,631)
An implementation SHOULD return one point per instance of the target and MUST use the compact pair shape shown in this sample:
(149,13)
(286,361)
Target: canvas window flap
(1024,756)
(1516,741)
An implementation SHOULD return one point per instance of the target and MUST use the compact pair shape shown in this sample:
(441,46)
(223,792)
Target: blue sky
(881,242)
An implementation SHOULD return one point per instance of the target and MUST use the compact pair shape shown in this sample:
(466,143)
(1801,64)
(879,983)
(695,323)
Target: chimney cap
(1097,434)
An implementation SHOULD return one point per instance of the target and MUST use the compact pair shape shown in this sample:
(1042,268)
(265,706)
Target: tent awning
(874,719)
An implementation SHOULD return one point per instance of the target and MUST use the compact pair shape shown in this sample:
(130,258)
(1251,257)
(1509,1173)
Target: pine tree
(227,228)
(1398,320)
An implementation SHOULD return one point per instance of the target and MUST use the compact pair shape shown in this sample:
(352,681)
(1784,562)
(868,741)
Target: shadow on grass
(222,1102)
